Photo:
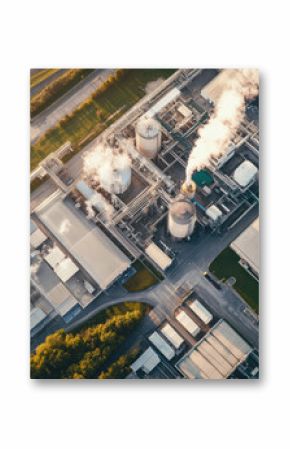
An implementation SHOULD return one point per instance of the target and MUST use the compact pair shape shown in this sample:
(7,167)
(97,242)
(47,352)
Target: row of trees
(56,88)
(82,355)
(121,367)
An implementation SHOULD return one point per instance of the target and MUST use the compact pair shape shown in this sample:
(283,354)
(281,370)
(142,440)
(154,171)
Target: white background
(144,34)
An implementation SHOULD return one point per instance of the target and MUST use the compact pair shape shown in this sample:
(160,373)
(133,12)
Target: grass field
(94,116)
(227,265)
(40,76)
(142,279)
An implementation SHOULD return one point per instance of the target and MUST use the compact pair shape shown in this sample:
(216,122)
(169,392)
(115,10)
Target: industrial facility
(143,194)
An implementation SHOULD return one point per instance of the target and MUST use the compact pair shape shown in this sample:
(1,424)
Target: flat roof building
(162,345)
(187,323)
(147,361)
(246,246)
(158,256)
(91,248)
(36,317)
(201,311)
(172,335)
(217,355)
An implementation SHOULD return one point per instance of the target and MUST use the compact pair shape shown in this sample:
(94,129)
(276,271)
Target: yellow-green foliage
(82,354)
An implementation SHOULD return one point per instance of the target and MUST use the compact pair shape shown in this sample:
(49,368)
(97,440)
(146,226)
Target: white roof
(66,269)
(54,257)
(37,238)
(246,245)
(216,355)
(201,311)
(91,248)
(187,323)
(184,110)
(147,361)
(168,98)
(170,333)
(213,90)
(162,345)
(158,256)
(36,317)
(213,212)
(244,173)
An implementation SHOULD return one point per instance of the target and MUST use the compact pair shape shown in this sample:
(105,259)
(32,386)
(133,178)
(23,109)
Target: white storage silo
(148,137)
(181,219)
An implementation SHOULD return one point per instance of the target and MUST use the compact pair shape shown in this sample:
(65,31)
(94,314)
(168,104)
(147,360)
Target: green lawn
(227,265)
(142,279)
(96,115)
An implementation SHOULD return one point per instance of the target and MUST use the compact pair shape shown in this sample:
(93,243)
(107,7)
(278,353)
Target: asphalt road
(34,90)
(67,103)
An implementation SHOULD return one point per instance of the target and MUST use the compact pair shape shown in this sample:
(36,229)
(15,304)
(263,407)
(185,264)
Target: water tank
(181,219)
(117,181)
(148,137)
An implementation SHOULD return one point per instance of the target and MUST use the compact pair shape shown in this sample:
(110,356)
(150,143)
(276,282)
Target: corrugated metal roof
(170,333)
(201,311)
(147,361)
(162,345)
(187,323)
(158,256)
(168,98)
(93,250)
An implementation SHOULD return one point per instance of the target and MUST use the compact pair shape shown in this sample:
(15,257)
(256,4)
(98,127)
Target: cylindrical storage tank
(118,182)
(181,219)
(148,137)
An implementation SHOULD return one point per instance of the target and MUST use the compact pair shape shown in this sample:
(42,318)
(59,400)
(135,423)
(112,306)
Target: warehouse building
(92,249)
(162,345)
(37,237)
(201,311)
(187,323)
(216,356)
(247,246)
(172,335)
(60,298)
(158,256)
(146,362)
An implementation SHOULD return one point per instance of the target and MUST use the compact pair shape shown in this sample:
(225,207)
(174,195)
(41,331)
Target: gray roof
(93,250)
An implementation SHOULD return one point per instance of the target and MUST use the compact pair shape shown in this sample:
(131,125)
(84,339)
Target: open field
(94,115)
(227,265)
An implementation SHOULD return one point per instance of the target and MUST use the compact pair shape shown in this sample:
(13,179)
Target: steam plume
(215,137)
(101,163)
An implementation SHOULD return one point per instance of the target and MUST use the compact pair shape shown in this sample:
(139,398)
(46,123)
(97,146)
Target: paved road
(34,90)
(67,103)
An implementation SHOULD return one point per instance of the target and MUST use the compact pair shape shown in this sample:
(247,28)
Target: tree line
(81,355)
(56,89)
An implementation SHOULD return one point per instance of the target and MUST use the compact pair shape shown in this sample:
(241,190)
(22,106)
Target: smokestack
(215,137)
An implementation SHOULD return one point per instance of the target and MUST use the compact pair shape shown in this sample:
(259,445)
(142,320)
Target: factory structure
(195,344)
(86,235)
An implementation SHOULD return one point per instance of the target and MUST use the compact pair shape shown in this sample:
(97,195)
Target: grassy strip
(38,77)
(56,89)
(104,107)
(142,279)
(227,265)
(83,354)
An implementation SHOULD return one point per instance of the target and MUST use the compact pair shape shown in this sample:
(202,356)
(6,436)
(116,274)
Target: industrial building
(247,246)
(216,355)
(201,311)
(90,231)
(162,345)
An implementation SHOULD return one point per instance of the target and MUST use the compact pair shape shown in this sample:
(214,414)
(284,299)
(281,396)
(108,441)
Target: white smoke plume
(215,137)
(101,204)
(101,163)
